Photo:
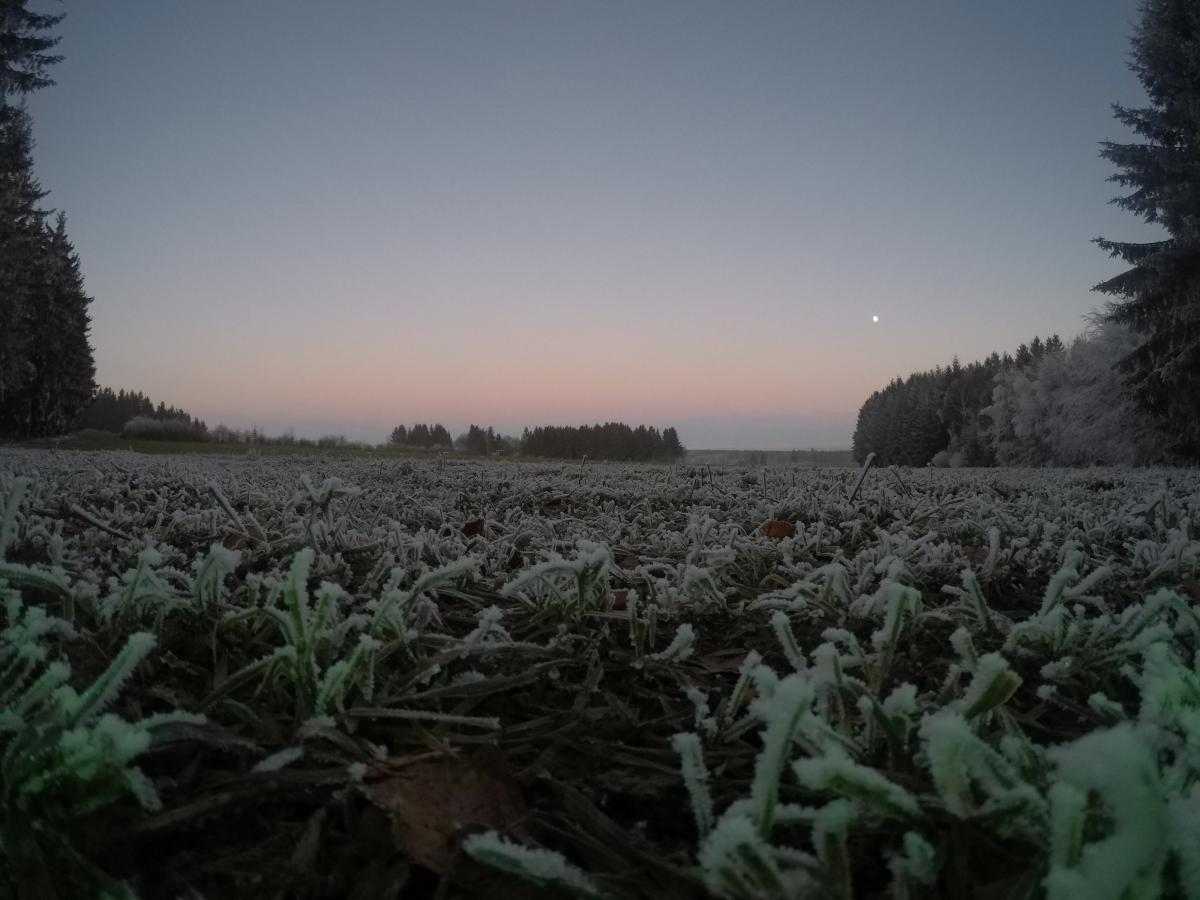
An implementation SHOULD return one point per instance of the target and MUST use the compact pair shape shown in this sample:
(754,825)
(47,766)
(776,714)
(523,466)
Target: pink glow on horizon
(649,212)
(355,379)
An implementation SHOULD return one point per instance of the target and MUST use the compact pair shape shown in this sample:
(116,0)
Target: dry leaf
(433,801)
(778,529)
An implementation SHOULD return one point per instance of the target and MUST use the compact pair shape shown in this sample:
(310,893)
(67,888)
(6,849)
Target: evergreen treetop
(23,45)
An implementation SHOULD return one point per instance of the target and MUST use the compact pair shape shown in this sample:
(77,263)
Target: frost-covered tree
(1159,296)
(1069,409)
(1020,418)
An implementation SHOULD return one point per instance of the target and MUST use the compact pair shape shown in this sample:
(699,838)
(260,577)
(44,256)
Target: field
(320,677)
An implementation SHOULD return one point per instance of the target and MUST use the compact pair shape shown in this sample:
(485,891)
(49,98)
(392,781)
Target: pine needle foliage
(1158,297)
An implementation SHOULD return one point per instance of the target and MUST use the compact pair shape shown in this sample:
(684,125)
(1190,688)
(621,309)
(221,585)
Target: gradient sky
(337,216)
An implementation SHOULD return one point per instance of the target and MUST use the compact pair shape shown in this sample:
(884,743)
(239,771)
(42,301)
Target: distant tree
(612,440)
(477,440)
(1024,357)
(167,428)
(440,437)
(399,436)
(1159,296)
(672,448)
(419,436)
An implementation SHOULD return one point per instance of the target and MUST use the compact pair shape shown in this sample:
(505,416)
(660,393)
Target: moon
(874,318)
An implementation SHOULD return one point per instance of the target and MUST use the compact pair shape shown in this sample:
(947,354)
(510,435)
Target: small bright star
(874,318)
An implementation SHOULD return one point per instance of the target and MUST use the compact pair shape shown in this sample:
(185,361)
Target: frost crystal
(695,779)
(836,772)
(1119,767)
(544,867)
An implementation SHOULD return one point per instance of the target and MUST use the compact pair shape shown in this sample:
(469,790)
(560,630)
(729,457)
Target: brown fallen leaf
(777,529)
(620,598)
(433,802)
(473,528)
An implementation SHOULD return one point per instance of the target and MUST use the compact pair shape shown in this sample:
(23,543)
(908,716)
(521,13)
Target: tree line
(421,437)
(484,441)
(612,440)
(46,365)
(913,419)
(1049,404)
(1128,390)
(113,410)
(134,415)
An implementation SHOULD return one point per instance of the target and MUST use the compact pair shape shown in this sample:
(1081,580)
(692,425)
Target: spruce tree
(46,367)
(21,230)
(23,46)
(60,372)
(418,436)
(1159,296)
(23,64)
(672,447)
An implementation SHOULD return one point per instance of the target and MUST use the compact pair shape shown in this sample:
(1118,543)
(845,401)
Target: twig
(239,525)
(80,513)
(900,481)
(862,475)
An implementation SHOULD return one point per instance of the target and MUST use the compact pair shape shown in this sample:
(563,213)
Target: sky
(336,217)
